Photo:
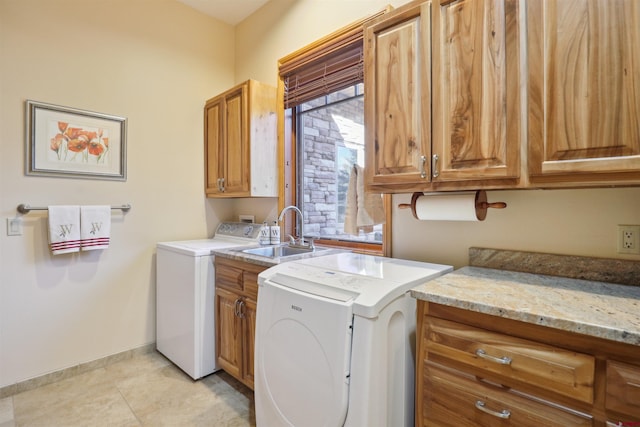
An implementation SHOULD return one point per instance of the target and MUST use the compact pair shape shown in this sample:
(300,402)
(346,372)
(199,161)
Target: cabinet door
(584,96)
(236,153)
(228,332)
(214,135)
(248,344)
(398,98)
(476,101)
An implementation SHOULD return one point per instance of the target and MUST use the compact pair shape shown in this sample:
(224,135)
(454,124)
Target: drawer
(623,389)
(510,360)
(228,277)
(456,400)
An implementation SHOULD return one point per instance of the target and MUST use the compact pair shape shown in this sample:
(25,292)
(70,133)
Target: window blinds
(328,65)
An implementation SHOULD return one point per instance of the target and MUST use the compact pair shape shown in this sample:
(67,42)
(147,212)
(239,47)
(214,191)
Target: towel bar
(24,208)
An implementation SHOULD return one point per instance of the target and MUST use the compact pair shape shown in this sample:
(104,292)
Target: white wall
(576,222)
(154,62)
(284,26)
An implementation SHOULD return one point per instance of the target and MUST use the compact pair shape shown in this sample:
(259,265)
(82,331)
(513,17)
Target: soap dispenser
(265,234)
(275,233)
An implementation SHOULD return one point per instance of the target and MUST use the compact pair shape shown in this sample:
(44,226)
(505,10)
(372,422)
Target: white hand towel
(351,205)
(64,229)
(95,227)
(363,210)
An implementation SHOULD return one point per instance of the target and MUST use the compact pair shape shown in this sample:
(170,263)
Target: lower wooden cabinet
(236,303)
(475,369)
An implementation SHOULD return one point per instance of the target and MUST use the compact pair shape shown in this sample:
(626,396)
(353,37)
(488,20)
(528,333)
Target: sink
(279,251)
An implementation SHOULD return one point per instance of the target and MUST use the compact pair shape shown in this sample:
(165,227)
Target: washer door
(303,351)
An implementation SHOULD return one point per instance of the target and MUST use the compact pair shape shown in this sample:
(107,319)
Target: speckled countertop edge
(598,309)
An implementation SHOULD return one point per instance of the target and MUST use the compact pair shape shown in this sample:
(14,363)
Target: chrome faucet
(300,241)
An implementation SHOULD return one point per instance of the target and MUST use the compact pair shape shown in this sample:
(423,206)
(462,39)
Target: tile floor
(145,390)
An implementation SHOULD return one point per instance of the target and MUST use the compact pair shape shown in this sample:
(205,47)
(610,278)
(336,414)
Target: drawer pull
(504,360)
(504,414)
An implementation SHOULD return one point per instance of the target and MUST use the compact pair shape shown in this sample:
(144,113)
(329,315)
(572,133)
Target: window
(330,143)
(323,138)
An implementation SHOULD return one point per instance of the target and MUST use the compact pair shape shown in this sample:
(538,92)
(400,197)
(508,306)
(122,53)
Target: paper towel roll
(467,206)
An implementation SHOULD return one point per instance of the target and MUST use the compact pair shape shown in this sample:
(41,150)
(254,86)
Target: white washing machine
(335,341)
(185,297)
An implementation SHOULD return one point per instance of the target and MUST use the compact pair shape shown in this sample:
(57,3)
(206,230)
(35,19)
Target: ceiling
(229,11)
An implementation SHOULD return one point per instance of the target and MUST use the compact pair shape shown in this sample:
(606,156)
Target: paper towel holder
(480,200)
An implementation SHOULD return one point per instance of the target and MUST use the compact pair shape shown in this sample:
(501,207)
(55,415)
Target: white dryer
(185,296)
(335,341)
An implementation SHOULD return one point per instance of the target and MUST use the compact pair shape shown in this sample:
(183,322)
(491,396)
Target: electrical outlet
(629,239)
(14,227)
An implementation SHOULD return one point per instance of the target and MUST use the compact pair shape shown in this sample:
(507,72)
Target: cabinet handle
(218,183)
(222,184)
(423,171)
(434,166)
(504,360)
(504,414)
(241,309)
(236,310)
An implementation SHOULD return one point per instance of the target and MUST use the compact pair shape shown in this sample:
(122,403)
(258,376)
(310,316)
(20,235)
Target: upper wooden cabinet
(442,103)
(449,104)
(398,98)
(476,103)
(584,91)
(241,141)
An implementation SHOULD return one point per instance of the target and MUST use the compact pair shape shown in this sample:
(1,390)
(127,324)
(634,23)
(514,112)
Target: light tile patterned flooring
(145,390)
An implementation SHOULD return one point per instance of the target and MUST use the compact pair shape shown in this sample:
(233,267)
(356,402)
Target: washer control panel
(238,230)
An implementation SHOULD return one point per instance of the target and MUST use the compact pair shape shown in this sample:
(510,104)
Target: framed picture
(67,142)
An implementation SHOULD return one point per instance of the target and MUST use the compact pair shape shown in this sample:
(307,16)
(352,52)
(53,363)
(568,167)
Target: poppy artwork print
(68,142)
(72,143)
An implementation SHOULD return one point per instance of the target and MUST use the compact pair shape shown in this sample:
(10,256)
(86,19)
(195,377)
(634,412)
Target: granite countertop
(598,309)
(238,255)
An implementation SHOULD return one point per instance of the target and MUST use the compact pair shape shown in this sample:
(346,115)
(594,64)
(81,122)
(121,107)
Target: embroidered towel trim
(64,229)
(95,227)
